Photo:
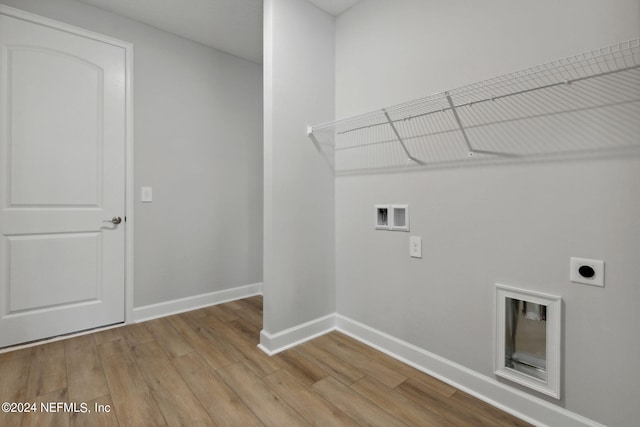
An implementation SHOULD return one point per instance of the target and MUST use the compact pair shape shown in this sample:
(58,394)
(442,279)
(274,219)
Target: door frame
(129,165)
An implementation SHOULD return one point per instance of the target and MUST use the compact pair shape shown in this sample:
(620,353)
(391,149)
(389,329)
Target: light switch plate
(146,194)
(415,247)
(586,271)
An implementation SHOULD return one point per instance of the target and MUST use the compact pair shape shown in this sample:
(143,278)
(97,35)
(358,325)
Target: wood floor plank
(133,402)
(398,405)
(235,305)
(315,409)
(300,367)
(196,314)
(363,348)
(476,405)
(266,404)
(41,418)
(249,313)
(441,405)
(95,418)
(113,334)
(14,373)
(353,404)
(47,370)
(248,330)
(396,365)
(256,302)
(85,377)
(371,366)
(221,313)
(435,385)
(136,333)
(221,403)
(177,402)
(215,355)
(14,354)
(166,335)
(335,366)
(245,351)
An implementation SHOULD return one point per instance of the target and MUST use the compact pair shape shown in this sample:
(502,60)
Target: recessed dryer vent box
(528,338)
(392,217)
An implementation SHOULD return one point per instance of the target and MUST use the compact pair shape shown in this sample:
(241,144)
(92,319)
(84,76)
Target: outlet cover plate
(415,247)
(596,265)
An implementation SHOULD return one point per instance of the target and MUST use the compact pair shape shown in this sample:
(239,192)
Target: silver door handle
(116,220)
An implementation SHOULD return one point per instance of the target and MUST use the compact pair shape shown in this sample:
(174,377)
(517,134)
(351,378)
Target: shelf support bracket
(462,130)
(313,138)
(400,140)
(472,151)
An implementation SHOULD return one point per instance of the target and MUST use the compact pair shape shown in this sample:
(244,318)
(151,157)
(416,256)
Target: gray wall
(514,224)
(298,185)
(198,125)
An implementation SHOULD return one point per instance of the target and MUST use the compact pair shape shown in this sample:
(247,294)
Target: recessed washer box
(392,217)
(382,214)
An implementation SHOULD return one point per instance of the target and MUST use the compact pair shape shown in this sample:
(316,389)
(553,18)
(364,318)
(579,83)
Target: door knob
(116,220)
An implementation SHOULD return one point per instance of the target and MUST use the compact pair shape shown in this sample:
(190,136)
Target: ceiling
(232,26)
(334,7)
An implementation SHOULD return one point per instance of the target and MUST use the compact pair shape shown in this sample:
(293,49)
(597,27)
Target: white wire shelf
(588,104)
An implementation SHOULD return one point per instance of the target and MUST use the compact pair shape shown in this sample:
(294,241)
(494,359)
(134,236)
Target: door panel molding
(22,77)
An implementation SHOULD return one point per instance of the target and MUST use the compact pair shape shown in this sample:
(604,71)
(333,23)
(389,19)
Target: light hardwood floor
(202,368)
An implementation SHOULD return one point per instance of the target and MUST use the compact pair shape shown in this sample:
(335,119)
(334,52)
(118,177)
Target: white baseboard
(522,405)
(275,343)
(153,311)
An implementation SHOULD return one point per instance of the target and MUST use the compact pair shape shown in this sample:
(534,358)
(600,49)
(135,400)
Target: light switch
(146,194)
(415,247)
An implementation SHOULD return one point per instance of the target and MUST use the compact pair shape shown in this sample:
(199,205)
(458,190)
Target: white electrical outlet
(415,247)
(586,271)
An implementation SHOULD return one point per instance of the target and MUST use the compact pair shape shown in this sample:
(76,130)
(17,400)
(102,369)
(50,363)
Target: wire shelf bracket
(395,131)
(457,117)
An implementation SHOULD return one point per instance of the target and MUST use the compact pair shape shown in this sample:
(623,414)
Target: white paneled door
(62,179)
